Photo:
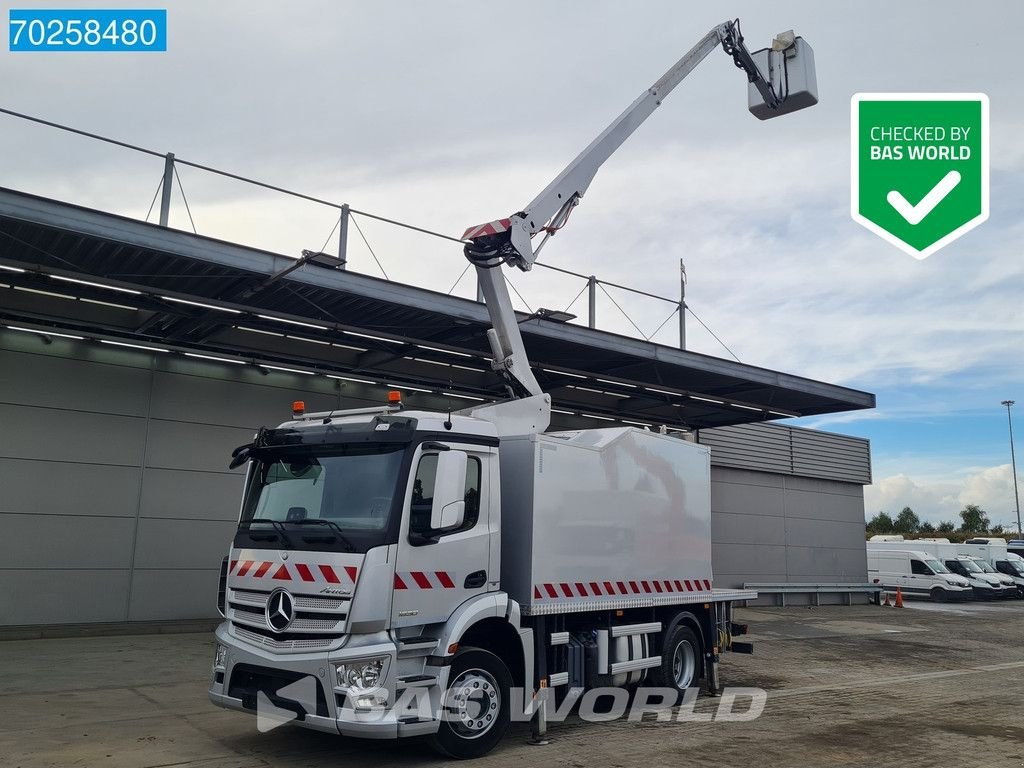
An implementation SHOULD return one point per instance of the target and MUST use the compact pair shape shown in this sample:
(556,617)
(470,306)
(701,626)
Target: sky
(451,114)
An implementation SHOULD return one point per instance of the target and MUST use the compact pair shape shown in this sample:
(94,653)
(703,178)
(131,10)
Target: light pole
(1013,463)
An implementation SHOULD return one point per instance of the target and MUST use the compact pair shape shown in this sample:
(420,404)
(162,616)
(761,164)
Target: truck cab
(361,537)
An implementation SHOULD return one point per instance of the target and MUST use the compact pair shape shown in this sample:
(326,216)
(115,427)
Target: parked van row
(978,569)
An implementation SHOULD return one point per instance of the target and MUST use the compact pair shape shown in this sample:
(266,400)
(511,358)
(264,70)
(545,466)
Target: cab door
(437,570)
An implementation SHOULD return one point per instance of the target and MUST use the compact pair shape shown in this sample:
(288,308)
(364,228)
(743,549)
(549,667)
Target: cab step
(416,646)
(416,681)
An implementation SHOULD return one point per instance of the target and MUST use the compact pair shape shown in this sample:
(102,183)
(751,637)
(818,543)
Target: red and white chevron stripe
(424,580)
(490,228)
(299,572)
(576,590)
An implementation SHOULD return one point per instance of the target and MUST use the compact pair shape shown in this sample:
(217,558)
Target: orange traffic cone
(899,598)
(886,603)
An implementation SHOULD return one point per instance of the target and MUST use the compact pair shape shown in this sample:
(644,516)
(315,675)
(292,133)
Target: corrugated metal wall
(790,451)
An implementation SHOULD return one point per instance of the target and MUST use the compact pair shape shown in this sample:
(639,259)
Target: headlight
(954,583)
(220,657)
(361,675)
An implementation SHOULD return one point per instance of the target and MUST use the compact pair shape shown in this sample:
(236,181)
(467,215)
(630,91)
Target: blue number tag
(86,29)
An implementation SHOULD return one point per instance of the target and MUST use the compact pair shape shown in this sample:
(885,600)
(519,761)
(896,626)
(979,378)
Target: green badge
(919,176)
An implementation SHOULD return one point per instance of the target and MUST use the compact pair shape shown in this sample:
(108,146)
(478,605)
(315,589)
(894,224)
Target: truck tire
(681,661)
(939,595)
(476,708)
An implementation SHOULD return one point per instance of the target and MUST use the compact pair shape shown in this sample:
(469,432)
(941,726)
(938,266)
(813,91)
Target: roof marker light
(394,397)
(298,408)
(132,291)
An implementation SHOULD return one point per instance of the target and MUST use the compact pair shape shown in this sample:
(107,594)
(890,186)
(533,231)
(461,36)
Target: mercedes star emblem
(280,610)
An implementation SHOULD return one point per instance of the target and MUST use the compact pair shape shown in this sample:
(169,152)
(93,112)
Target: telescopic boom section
(508,241)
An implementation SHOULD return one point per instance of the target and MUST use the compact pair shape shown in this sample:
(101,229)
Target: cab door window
(423,494)
(919,569)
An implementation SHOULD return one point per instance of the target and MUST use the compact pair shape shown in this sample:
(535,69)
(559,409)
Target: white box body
(604,518)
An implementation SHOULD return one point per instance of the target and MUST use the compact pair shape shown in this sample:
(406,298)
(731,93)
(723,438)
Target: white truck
(399,573)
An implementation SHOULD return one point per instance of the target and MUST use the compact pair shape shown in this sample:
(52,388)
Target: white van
(918,574)
(996,552)
(986,586)
(986,583)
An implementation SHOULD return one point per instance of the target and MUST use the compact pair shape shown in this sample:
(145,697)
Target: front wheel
(939,595)
(476,710)
(680,661)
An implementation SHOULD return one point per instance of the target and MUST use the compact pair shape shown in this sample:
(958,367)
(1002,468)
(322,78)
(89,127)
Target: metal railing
(346,213)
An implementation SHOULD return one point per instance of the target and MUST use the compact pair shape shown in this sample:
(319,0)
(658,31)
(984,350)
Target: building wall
(116,503)
(787,506)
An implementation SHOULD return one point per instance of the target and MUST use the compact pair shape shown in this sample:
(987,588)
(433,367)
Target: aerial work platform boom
(509,240)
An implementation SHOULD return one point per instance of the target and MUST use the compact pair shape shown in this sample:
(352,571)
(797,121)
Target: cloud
(937,499)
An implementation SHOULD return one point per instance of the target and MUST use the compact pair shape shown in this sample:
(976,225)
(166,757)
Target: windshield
(970,566)
(344,498)
(936,566)
(983,566)
(1017,566)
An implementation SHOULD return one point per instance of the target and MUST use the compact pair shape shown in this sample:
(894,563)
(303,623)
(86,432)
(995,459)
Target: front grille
(313,614)
(307,643)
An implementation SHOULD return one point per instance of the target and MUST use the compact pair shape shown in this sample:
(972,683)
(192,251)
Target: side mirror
(449,506)
(239,456)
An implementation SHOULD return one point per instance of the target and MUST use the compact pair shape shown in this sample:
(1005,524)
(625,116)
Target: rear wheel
(476,710)
(939,595)
(681,659)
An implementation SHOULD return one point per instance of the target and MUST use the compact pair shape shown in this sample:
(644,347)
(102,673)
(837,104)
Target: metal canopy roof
(379,331)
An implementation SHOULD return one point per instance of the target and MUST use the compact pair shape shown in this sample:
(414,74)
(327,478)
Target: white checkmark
(916,213)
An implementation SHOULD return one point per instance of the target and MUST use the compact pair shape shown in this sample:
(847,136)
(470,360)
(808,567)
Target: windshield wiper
(277,525)
(337,529)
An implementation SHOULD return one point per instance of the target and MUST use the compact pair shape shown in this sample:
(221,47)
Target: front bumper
(319,704)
